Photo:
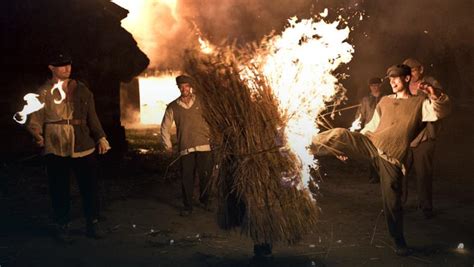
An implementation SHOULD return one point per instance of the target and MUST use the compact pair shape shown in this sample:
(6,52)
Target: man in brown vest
(384,141)
(68,130)
(193,142)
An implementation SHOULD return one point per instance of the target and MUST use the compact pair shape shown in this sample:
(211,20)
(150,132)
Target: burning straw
(247,129)
(261,103)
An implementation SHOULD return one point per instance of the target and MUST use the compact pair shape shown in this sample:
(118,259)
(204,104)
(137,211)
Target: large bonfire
(261,102)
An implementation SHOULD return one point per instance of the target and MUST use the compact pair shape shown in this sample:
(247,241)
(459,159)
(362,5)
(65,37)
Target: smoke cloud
(437,32)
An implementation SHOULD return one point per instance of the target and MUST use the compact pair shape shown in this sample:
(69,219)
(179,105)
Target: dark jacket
(86,135)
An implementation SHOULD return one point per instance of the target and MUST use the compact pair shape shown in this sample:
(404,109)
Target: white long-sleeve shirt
(166,125)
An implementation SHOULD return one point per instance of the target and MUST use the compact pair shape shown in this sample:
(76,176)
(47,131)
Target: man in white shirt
(384,141)
(193,143)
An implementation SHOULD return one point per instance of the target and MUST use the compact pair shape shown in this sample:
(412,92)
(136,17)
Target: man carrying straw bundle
(385,140)
(258,178)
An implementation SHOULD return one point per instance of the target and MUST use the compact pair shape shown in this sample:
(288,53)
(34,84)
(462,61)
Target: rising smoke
(164,33)
(437,32)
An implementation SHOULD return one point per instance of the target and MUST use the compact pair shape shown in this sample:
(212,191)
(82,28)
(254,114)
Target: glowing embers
(155,93)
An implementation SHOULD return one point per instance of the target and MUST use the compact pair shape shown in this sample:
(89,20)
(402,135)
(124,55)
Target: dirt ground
(141,202)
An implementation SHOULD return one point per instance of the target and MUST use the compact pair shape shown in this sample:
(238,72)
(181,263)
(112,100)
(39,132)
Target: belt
(69,122)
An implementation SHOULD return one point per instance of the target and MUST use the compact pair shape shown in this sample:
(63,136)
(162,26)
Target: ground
(141,202)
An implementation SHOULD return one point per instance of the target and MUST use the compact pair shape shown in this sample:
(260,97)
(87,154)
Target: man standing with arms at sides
(193,143)
(69,132)
(384,141)
(420,160)
(366,111)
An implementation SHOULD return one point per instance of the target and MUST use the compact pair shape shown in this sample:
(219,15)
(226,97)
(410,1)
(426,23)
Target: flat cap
(183,79)
(398,70)
(60,59)
(375,80)
(412,63)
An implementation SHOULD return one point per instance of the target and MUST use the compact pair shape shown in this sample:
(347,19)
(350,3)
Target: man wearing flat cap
(366,110)
(193,143)
(69,131)
(422,148)
(385,140)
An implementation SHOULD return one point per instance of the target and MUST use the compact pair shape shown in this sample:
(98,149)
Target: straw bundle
(246,127)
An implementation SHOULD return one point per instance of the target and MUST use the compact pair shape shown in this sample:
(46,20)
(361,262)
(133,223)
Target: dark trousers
(357,146)
(59,170)
(420,165)
(192,163)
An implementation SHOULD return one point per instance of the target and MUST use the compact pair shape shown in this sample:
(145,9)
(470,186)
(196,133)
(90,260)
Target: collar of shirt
(188,105)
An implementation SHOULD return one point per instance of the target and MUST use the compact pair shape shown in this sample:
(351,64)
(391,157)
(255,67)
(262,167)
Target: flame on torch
(356,125)
(59,87)
(32,104)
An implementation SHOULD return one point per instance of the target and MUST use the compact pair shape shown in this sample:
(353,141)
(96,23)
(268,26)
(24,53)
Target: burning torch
(33,104)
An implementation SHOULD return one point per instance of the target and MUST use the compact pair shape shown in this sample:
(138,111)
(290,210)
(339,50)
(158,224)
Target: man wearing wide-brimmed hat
(69,131)
(384,141)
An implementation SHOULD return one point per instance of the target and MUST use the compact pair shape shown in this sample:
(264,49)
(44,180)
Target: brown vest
(191,128)
(400,121)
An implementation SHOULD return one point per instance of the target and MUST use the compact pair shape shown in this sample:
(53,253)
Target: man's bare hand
(428,89)
(103,146)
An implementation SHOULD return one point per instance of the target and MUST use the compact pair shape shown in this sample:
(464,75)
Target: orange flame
(299,68)
(206,47)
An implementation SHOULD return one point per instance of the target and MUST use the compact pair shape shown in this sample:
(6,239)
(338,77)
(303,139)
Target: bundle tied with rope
(258,176)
